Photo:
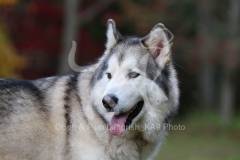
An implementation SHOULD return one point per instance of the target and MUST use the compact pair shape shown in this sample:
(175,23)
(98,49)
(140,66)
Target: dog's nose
(109,101)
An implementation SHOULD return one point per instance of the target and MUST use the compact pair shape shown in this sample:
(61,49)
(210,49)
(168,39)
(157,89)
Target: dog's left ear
(158,44)
(113,36)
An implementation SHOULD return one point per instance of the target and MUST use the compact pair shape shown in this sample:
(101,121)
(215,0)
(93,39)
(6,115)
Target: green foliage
(10,62)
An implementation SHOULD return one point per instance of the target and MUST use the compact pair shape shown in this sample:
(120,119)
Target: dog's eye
(109,75)
(133,75)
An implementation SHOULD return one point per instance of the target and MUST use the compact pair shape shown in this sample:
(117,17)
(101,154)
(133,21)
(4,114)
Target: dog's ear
(113,36)
(158,44)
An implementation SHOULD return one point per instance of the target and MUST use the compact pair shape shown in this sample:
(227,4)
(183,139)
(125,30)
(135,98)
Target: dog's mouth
(120,122)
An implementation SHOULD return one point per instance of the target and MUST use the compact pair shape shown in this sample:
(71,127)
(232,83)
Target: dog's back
(24,121)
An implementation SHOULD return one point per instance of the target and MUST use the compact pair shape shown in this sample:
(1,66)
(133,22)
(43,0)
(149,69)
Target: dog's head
(135,82)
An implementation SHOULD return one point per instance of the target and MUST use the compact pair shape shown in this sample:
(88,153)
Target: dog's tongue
(117,125)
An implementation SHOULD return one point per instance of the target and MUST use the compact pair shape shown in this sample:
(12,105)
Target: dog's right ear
(113,36)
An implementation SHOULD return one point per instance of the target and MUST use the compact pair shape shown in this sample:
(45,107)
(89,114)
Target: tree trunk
(70,28)
(227,88)
(206,46)
(72,22)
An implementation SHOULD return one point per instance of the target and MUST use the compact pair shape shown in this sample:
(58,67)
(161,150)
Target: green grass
(205,137)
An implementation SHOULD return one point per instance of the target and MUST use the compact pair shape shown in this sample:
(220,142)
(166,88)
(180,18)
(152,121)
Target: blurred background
(35,39)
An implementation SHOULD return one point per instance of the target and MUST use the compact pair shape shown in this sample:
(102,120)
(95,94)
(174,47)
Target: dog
(115,109)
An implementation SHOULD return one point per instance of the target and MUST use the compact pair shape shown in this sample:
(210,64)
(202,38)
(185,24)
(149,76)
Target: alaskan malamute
(115,109)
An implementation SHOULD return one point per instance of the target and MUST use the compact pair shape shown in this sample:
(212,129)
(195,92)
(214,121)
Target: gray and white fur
(70,117)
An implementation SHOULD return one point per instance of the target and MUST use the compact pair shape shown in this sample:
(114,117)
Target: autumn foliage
(10,62)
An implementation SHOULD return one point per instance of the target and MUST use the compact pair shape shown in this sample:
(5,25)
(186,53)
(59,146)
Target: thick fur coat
(73,117)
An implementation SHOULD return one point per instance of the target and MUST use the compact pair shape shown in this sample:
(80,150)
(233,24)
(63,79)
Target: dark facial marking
(162,80)
(103,67)
(98,74)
